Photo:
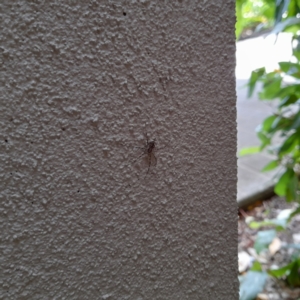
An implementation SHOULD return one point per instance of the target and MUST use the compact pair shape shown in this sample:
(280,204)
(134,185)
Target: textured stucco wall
(81,85)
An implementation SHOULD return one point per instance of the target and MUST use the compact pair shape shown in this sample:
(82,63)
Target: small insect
(148,150)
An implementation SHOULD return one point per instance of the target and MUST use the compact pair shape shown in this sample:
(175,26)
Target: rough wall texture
(82,83)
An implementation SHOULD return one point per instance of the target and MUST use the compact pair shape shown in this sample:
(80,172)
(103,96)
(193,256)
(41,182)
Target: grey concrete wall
(82,83)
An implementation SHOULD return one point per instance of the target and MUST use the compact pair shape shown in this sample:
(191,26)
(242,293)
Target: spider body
(149,150)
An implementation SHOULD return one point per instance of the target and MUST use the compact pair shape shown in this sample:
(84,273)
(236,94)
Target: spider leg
(160,148)
(155,160)
(149,165)
(141,148)
(147,139)
(138,157)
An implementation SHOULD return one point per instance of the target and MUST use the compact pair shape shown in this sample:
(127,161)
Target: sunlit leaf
(239,18)
(271,166)
(256,267)
(249,150)
(278,224)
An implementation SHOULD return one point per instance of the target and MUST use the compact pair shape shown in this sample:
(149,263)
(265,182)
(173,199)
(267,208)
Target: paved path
(252,54)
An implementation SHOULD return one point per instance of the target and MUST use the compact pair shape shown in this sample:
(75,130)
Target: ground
(274,289)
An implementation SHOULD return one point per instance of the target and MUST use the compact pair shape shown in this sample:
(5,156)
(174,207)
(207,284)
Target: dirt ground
(269,209)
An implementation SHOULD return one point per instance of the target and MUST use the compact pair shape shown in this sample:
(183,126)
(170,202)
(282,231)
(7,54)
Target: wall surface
(82,85)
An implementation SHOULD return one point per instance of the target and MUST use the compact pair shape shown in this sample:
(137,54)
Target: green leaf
(278,224)
(289,144)
(265,140)
(249,150)
(252,284)
(285,66)
(290,271)
(271,166)
(296,122)
(280,123)
(288,91)
(296,53)
(252,16)
(267,123)
(292,69)
(264,239)
(292,188)
(255,76)
(282,26)
(281,272)
(277,123)
(293,9)
(256,267)
(294,278)
(289,99)
(282,184)
(292,29)
(239,18)
(271,88)
(257,225)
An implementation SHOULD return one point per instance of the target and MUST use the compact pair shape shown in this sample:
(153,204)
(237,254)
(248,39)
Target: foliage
(282,87)
(280,223)
(289,273)
(252,283)
(284,123)
(254,15)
